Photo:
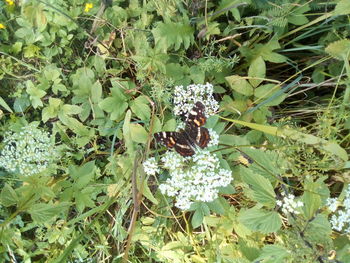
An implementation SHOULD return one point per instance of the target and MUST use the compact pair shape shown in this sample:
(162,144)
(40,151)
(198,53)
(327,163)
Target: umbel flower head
(288,204)
(27,152)
(191,179)
(340,220)
(186,97)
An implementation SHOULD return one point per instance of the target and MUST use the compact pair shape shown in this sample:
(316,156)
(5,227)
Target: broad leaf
(8,196)
(138,133)
(240,84)
(257,71)
(260,220)
(273,253)
(42,213)
(261,187)
(116,104)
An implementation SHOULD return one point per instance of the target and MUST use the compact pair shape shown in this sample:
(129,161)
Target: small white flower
(150,166)
(197,182)
(186,97)
(172,160)
(214,138)
(332,204)
(288,204)
(340,220)
(28,152)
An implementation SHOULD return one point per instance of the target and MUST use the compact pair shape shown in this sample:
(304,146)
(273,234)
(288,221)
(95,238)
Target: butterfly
(185,140)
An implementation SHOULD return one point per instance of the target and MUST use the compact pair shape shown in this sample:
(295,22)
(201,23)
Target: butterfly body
(194,134)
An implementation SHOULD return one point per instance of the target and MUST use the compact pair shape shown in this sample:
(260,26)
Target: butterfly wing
(177,140)
(197,115)
(194,130)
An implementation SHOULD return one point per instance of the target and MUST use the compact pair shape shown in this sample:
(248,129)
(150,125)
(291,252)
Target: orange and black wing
(176,140)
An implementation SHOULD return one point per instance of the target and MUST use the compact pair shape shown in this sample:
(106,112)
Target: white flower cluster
(150,166)
(341,220)
(28,152)
(288,204)
(214,138)
(186,97)
(193,178)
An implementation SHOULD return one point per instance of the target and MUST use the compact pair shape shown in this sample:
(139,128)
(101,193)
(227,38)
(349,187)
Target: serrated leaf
(35,94)
(172,34)
(261,187)
(140,108)
(273,253)
(8,196)
(83,200)
(319,229)
(240,84)
(216,206)
(116,104)
(257,71)
(82,175)
(96,92)
(41,213)
(312,196)
(339,49)
(260,220)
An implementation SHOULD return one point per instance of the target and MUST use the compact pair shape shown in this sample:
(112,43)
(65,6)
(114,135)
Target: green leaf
(96,92)
(342,8)
(82,175)
(216,206)
(148,193)
(240,84)
(201,210)
(331,147)
(319,229)
(312,195)
(172,34)
(8,196)
(268,91)
(35,94)
(273,253)
(257,71)
(170,125)
(4,104)
(116,105)
(83,200)
(140,108)
(262,189)
(138,133)
(42,213)
(260,220)
(127,134)
(67,109)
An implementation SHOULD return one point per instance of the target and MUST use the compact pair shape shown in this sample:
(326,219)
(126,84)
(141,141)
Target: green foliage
(101,81)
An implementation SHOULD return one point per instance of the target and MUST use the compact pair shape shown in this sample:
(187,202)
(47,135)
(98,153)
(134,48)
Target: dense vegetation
(85,85)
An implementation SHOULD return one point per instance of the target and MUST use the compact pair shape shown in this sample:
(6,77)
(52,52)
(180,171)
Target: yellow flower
(88,6)
(10,2)
(2,26)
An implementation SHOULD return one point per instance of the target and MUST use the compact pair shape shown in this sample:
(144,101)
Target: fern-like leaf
(170,34)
